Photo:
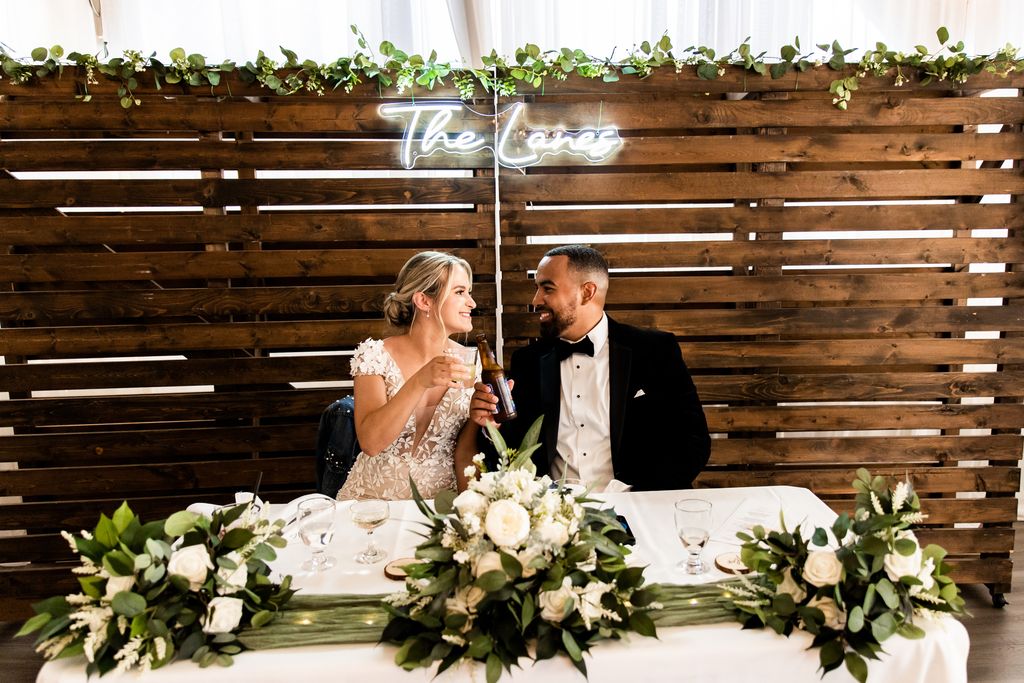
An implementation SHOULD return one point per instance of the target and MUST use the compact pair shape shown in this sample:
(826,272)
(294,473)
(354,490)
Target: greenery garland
(530,66)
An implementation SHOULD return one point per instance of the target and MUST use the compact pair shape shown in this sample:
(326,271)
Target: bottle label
(500,388)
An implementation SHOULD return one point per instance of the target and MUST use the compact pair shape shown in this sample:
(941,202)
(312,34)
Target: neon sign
(428,131)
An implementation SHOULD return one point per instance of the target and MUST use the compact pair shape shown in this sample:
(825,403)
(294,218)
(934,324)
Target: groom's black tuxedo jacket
(659,436)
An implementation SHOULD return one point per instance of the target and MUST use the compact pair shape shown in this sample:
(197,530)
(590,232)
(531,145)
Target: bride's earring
(428,313)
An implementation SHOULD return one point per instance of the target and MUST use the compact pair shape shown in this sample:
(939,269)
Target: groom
(618,402)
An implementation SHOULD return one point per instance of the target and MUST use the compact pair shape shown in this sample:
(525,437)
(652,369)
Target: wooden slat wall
(815,350)
(784,244)
(219,279)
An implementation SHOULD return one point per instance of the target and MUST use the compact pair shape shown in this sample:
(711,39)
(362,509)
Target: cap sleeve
(369,358)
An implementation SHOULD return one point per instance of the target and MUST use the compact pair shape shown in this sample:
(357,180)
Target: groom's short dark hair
(582,258)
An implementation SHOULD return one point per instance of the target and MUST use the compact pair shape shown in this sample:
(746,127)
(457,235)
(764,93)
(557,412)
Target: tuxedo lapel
(620,358)
(551,395)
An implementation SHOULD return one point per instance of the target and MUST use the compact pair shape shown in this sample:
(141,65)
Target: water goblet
(368,515)
(316,529)
(693,525)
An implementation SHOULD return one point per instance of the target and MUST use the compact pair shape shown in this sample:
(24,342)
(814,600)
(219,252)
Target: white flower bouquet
(181,587)
(513,559)
(851,596)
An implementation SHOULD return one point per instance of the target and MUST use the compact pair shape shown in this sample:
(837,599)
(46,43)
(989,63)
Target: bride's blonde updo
(427,272)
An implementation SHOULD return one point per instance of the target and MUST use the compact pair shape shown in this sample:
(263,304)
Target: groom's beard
(559,322)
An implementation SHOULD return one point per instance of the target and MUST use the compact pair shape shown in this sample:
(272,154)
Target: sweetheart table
(716,652)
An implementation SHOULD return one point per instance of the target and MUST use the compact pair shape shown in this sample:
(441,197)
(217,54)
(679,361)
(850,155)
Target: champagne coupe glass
(693,525)
(370,514)
(316,528)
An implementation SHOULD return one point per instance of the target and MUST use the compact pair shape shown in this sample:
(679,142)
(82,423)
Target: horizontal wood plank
(147,154)
(766,219)
(836,321)
(27,194)
(701,288)
(834,185)
(766,452)
(860,417)
(836,481)
(192,265)
(739,253)
(320,300)
(293,334)
(428,226)
(245,404)
(949,511)
(142,479)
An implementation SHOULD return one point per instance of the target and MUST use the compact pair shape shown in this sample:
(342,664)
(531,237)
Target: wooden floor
(997,638)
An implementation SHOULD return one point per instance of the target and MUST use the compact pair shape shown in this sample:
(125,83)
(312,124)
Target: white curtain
(462,30)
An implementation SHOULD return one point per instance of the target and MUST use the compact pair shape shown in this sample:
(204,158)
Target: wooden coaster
(730,563)
(394,569)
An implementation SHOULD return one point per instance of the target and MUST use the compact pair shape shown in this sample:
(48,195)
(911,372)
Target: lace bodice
(430,462)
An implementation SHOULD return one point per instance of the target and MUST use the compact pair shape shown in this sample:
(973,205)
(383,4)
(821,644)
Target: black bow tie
(566,349)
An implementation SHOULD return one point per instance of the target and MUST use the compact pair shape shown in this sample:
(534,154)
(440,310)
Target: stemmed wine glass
(316,528)
(693,524)
(370,514)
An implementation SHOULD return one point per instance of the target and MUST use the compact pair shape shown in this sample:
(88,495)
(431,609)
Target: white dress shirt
(584,433)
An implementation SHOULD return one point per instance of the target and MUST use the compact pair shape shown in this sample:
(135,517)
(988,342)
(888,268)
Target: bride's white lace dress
(430,462)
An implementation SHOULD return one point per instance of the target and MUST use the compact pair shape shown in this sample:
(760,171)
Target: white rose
(789,585)
(488,562)
(465,600)
(485,484)
(823,568)
(116,584)
(223,615)
(507,523)
(553,533)
(590,601)
(234,578)
(835,618)
(193,563)
(897,565)
(925,575)
(469,502)
(554,605)
(527,556)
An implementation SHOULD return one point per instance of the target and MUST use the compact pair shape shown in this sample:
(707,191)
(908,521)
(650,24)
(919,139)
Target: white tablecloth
(720,652)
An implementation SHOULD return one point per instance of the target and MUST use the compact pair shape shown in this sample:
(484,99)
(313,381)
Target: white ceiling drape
(462,30)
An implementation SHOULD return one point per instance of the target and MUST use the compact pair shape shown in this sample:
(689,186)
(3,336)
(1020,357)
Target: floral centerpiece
(180,587)
(513,559)
(852,591)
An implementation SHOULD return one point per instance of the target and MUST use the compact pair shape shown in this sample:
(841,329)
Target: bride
(411,400)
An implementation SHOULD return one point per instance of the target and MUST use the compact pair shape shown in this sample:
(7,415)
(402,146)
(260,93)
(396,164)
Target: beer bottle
(493,375)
